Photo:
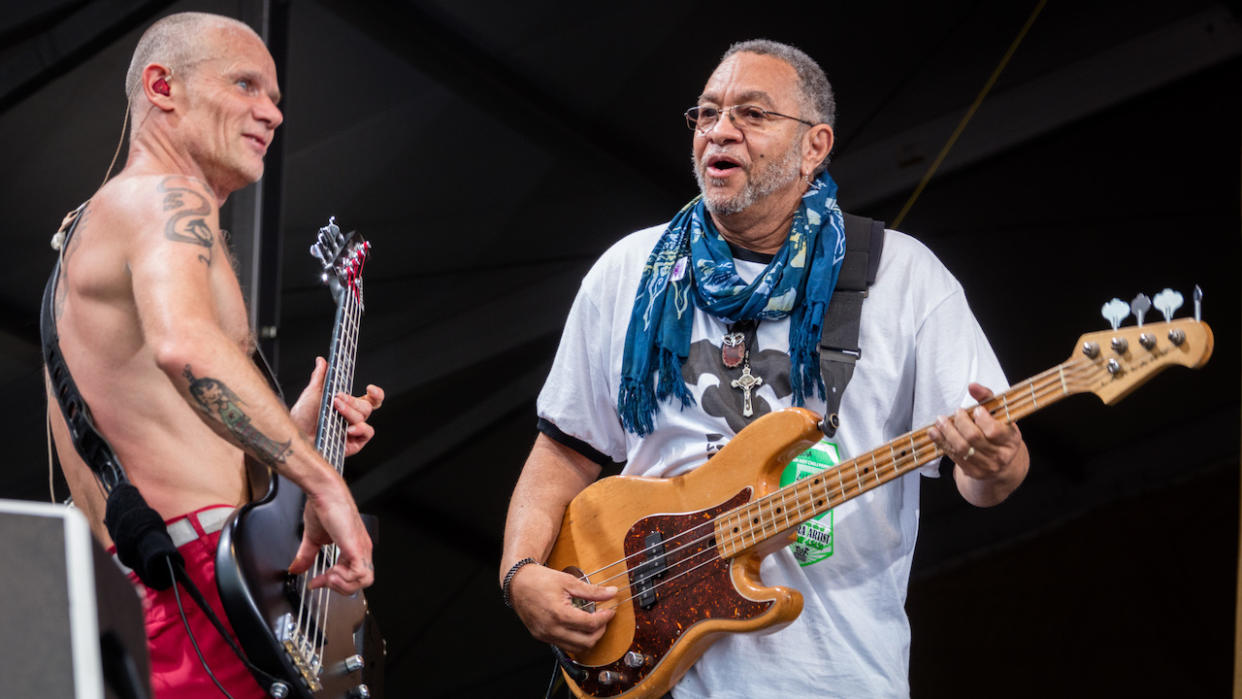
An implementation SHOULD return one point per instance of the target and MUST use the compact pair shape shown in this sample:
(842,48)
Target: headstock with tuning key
(1112,363)
(341,257)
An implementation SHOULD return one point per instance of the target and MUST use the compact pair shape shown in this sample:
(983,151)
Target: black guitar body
(259,596)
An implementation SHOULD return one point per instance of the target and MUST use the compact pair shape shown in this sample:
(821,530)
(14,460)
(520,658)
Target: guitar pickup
(644,576)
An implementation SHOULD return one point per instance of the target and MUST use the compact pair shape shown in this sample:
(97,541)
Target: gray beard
(772,178)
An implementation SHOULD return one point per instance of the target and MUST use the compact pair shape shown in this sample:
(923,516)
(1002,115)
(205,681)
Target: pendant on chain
(733,349)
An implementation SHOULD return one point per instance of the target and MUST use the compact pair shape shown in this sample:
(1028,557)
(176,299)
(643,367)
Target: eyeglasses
(744,116)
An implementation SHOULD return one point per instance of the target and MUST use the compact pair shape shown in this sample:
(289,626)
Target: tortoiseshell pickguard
(695,587)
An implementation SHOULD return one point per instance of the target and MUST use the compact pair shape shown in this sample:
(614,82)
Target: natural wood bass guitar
(684,552)
(318,643)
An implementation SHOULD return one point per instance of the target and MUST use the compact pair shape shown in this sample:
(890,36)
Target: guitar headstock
(341,257)
(1112,363)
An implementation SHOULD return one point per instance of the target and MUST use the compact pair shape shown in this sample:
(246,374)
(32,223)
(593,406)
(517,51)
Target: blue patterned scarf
(692,257)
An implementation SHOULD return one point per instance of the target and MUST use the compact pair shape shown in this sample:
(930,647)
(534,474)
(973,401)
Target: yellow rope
(987,87)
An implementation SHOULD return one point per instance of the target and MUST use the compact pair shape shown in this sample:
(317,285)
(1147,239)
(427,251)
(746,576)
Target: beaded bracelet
(504,587)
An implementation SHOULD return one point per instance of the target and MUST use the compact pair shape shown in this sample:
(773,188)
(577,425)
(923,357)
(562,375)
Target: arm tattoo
(218,401)
(186,224)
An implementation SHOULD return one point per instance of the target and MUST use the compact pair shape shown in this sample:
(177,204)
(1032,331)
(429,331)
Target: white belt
(183,532)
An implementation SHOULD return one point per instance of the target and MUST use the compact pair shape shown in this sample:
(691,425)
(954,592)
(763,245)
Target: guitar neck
(776,513)
(330,436)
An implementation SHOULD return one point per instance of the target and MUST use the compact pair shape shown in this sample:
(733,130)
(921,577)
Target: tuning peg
(1168,301)
(1115,311)
(1198,303)
(1139,306)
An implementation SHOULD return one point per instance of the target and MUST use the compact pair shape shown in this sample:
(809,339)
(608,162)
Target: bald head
(177,41)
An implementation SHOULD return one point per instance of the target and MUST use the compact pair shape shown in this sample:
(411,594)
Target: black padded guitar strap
(838,344)
(90,444)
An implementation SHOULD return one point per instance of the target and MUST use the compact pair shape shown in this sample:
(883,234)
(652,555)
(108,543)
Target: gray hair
(816,95)
(816,91)
(177,41)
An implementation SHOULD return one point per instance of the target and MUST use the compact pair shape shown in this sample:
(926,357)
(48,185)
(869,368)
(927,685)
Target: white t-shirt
(921,346)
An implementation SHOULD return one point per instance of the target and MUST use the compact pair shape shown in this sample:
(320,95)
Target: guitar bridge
(298,648)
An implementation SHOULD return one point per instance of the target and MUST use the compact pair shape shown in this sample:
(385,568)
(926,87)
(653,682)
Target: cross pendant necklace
(746,382)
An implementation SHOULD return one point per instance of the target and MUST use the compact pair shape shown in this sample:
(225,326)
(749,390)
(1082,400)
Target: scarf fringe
(637,404)
(804,375)
(670,381)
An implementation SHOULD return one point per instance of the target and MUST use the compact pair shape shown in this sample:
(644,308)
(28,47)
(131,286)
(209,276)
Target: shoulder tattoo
(219,402)
(187,209)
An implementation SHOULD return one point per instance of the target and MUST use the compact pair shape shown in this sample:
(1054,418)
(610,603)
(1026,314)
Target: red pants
(176,671)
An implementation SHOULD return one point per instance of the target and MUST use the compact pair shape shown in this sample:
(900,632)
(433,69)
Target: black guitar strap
(91,446)
(838,345)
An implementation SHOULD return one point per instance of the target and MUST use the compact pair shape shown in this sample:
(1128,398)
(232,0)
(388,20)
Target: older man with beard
(646,375)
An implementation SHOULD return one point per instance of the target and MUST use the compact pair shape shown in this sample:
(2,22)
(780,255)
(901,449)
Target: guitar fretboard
(330,440)
(777,512)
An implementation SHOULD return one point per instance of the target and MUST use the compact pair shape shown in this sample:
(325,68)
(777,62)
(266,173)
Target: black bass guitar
(319,644)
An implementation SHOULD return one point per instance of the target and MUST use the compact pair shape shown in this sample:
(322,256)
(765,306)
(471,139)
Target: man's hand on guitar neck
(355,409)
(991,457)
(543,598)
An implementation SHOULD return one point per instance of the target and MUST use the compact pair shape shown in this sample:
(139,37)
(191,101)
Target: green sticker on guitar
(815,536)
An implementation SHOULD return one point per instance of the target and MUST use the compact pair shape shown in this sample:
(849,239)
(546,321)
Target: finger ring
(969,453)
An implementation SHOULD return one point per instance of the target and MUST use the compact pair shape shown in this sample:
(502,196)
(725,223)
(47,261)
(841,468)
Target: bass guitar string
(1018,404)
(309,630)
(846,491)
(1026,396)
(308,611)
(319,601)
(995,409)
(336,446)
(347,356)
(764,534)
(332,444)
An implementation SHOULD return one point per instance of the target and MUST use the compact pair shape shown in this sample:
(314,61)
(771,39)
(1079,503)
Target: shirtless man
(153,327)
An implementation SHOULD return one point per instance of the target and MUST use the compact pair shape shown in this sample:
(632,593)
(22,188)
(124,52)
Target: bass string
(996,406)
(313,624)
(312,601)
(1027,397)
(336,446)
(775,504)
